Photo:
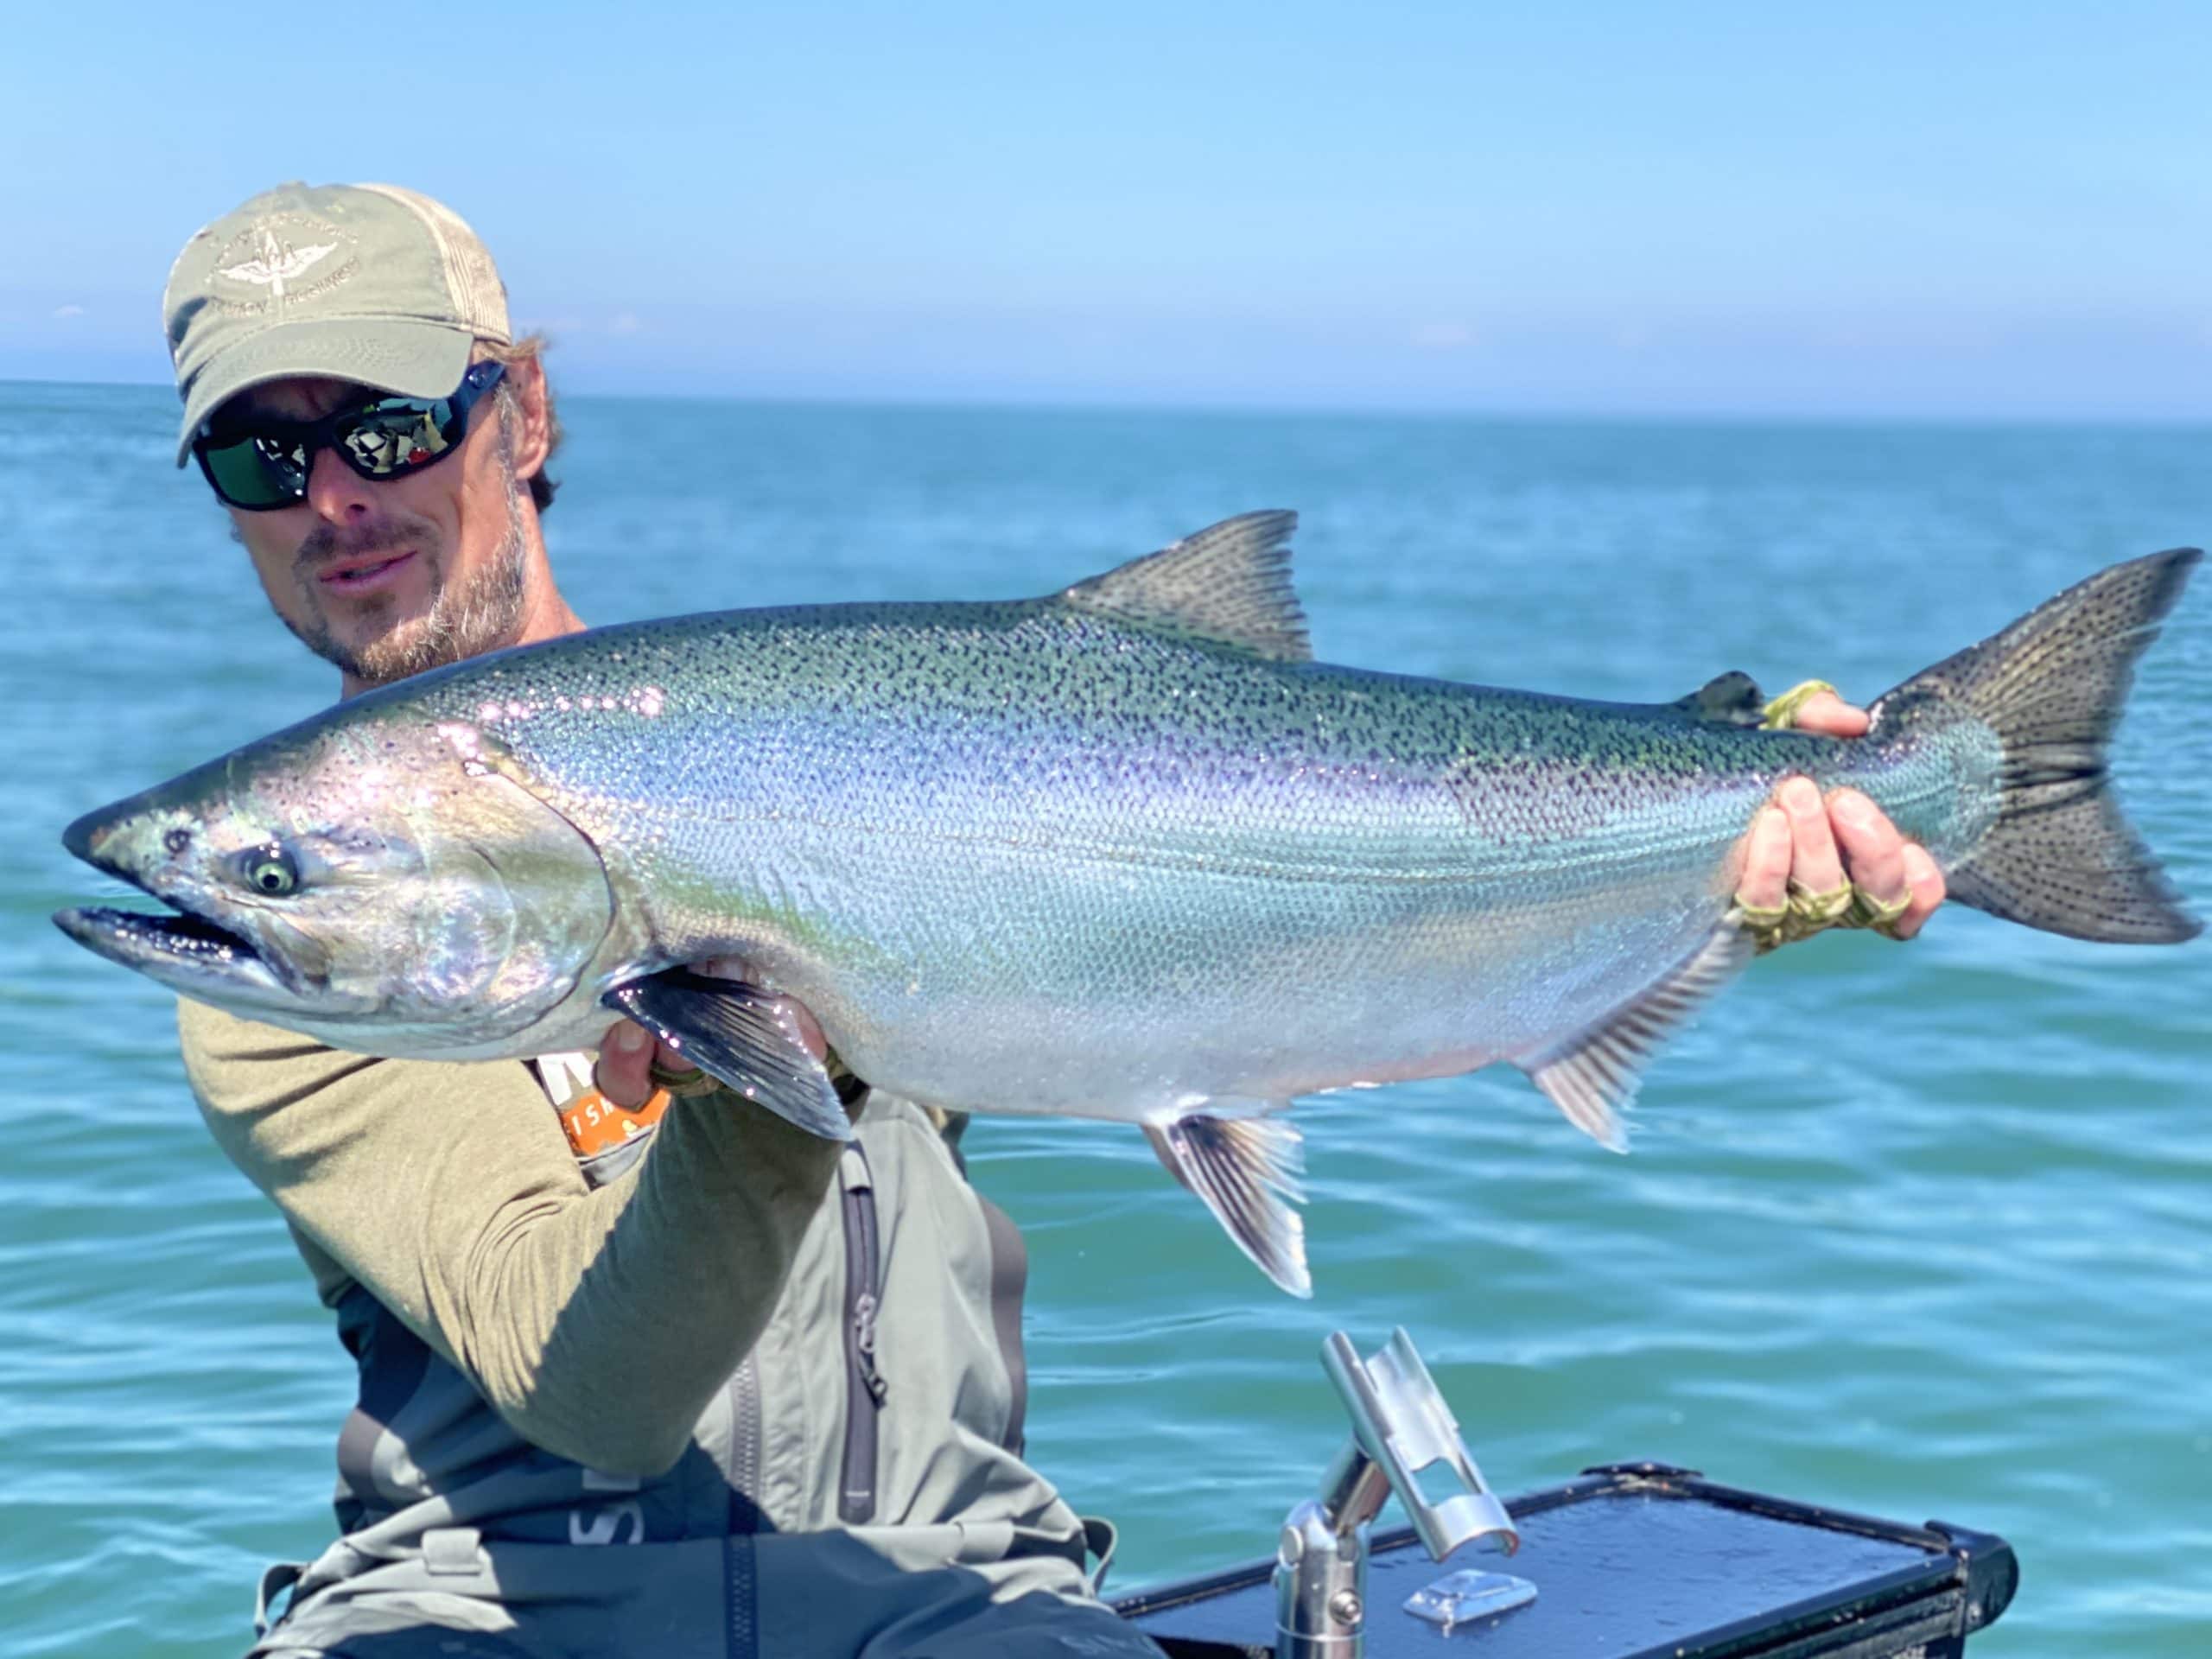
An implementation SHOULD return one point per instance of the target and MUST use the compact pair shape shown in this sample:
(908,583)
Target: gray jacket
(856,1487)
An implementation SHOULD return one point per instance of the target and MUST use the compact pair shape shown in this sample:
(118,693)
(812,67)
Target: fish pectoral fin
(1592,1077)
(1228,585)
(741,1035)
(1730,699)
(1247,1169)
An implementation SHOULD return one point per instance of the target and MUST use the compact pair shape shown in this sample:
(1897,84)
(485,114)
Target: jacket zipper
(865,1390)
(746,1434)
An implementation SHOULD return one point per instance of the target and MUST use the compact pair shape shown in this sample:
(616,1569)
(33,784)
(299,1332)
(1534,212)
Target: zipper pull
(864,1347)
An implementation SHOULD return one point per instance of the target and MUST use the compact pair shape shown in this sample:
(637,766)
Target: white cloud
(626,322)
(66,311)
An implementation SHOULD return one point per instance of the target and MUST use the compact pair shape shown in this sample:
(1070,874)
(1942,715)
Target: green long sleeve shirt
(597,1322)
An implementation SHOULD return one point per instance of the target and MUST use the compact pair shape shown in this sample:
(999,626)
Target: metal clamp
(1400,1425)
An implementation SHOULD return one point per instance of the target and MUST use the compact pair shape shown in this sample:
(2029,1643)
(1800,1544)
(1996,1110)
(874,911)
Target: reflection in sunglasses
(376,441)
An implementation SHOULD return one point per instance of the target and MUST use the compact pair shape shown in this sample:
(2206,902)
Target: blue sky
(1974,211)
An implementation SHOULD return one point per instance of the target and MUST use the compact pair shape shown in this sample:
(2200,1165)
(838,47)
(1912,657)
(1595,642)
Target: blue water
(1919,1230)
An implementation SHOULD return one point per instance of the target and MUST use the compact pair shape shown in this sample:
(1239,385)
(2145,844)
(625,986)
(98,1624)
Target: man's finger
(809,1033)
(1830,717)
(1927,883)
(1765,882)
(1815,864)
(1873,851)
(626,1055)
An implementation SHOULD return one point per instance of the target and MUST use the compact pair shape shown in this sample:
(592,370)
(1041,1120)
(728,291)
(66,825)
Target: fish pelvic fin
(2061,856)
(1227,585)
(1248,1171)
(1592,1076)
(741,1036)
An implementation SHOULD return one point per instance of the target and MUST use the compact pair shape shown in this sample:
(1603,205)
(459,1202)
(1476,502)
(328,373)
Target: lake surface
(1917,1230)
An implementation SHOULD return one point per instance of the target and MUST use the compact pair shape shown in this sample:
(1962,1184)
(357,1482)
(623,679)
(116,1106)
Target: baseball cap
(362,282)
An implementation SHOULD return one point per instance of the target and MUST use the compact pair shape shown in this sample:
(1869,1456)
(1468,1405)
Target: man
(642,1370)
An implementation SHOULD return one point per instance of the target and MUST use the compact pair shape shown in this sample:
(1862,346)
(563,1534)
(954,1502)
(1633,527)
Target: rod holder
(1400,1425)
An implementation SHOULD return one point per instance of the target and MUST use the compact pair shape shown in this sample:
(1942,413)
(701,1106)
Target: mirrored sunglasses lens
(257,471)
(391,437)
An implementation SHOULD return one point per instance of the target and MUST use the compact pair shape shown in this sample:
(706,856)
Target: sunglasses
(257,466)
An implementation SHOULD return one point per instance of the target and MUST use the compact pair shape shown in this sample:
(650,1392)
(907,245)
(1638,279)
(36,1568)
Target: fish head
(388,886)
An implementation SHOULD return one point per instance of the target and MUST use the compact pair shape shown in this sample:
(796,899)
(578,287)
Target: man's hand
(629,1054)
(1815,846)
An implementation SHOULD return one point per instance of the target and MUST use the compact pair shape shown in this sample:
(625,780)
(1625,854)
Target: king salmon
(1124,852)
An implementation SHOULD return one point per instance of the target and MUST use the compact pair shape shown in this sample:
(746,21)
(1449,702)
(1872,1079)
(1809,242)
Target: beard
(479,611)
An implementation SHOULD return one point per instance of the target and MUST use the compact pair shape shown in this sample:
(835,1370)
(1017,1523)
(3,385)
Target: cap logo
(281,259)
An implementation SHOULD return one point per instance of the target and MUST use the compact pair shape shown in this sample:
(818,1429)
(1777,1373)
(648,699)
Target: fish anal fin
(742,1036)
(1592,1076)
(1248,1171)
(1228,585)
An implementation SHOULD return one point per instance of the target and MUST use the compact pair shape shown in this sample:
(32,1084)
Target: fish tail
(2060,855)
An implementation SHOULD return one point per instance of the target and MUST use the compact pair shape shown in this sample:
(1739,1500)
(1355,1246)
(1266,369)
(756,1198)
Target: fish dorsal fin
(1228,585)
(1246,1170)
(1592,1077)
(1730,699)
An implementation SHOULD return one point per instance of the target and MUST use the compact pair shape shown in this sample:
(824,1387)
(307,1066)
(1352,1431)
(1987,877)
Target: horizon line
(1228,408)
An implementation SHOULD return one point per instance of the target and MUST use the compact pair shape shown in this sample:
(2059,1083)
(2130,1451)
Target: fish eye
(270,870)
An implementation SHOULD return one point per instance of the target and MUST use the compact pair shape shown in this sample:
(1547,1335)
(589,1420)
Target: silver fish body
(1017,860)
(1123,853)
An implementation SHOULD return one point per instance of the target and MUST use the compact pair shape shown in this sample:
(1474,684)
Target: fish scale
(1126,852)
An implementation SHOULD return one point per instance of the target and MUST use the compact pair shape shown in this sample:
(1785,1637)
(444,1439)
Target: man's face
(390,577)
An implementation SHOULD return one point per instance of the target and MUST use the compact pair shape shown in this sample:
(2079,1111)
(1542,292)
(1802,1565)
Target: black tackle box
(1647,1562)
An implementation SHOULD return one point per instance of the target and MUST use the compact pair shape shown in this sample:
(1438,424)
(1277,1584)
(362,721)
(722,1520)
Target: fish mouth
(171,946)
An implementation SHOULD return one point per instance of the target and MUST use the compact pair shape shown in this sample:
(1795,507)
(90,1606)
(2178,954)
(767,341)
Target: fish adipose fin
(742,1036)
(1247,1169)
(1593,1075)
(1730,699)
(1228,585)
(2060,855)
